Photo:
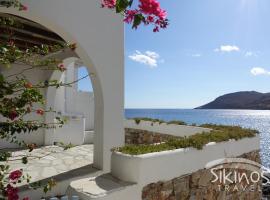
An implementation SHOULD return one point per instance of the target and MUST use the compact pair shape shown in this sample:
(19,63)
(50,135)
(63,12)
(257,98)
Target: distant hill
(240,100)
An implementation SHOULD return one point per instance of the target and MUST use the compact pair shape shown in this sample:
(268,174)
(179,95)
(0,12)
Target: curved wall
(99,35)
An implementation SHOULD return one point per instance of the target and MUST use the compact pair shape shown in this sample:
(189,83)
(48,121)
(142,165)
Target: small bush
(219,133)
(177,122)
(139,119)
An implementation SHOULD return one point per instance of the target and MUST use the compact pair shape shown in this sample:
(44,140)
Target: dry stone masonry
(198,186)
(136,136)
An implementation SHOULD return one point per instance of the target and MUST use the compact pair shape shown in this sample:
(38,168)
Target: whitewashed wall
(72,131)
(75,106)
(163,166)
(99,35)
(59,103)
(81,118)
(35,76)
(79,102)
(84,104)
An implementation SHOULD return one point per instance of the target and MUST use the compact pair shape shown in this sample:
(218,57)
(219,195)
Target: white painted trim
(166,165)
(163,128)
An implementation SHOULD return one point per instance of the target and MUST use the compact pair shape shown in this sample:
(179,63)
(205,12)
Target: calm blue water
(256,119)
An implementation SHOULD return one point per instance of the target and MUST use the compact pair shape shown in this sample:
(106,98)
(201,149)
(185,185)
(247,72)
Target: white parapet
(166,165)
(164,128)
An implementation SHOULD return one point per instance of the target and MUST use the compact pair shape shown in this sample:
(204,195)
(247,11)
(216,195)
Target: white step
(104,187)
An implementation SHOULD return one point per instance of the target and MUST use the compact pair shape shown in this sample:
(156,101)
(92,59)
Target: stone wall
(137,136)
(198,186)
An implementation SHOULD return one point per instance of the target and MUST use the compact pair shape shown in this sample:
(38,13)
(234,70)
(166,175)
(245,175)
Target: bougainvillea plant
(147,12)
(13,3)
(20,97)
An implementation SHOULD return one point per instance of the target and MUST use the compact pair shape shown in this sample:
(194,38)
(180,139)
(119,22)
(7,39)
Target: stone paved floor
(49,161)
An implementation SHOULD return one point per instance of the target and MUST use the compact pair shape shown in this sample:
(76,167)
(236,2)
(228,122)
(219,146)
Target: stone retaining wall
(136,136)
(198,186)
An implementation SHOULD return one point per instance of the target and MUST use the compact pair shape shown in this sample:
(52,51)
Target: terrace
(90,169)
(49,161)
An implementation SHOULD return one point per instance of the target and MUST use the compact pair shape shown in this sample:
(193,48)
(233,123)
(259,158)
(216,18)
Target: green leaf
(45,189)
(24,160)
(137,20)
(121,5)
(1,78)
(4,156)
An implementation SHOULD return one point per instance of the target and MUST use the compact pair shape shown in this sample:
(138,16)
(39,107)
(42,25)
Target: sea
(255,119)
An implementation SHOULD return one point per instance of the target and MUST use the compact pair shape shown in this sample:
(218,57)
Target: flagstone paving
(49,161)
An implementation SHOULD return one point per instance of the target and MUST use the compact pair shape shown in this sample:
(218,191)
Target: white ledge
(174,163)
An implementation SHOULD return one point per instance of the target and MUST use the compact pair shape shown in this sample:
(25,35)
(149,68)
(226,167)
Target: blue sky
(84,84)
(210,48)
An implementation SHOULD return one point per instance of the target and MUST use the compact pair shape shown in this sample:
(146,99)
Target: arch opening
(84,112)
(102,51)
(76,106)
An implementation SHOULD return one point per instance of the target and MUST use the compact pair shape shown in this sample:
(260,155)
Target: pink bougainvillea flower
(129,15)
(108,3)
(154,14)
(150,19)
(28,85)
(61,67)
(12,192)
(40,112)
(13,115)
(24,8)
(147,12)
(15,175)
(156,29)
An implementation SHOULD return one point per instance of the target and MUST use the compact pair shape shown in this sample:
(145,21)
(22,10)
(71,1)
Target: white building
(99,35)
(98,117)
(73,105)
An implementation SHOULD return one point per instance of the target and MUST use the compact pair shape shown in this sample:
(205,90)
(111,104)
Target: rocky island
(240,100)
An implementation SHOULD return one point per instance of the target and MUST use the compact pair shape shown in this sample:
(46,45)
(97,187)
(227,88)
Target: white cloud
(248,54)
(259,71)
(251,53)
(152,54)
(149,58)
(196,55)
(227,48)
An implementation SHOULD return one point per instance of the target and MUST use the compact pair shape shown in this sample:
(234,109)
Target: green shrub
(219,133)
(177,122)
(139,119)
